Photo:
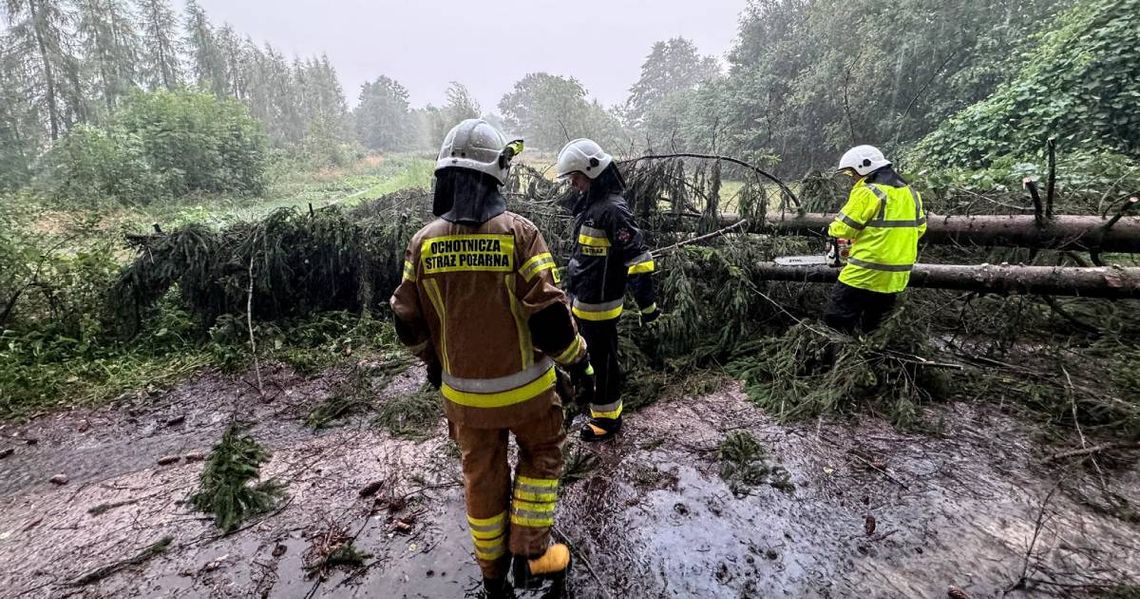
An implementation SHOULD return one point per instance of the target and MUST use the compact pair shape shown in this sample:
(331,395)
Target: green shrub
(1081,84)
(159,145)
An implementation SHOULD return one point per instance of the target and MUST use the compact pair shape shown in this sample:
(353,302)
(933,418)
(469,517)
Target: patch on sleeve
(624,235)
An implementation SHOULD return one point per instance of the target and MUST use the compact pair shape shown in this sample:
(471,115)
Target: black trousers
(602,344)
(852,310)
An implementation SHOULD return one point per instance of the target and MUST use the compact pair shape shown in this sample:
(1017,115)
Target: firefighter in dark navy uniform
(609,255)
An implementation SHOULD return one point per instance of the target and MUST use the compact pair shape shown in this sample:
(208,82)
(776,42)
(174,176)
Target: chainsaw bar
(802,260)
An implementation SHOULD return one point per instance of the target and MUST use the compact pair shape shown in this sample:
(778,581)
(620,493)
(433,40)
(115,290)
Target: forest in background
(82,84)
(125,116)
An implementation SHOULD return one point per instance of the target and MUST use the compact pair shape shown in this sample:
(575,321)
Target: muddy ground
(869,511)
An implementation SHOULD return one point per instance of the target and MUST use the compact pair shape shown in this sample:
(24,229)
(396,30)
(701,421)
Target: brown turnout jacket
(467,300)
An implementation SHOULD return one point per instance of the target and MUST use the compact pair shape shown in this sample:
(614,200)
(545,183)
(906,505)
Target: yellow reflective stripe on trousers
(526,347)
(497,522)
(536,489)
(487,535)
(499,399)
(490,550)
(594,312)
(409,271)
(570,355)
(610,410)
(535,265)
(437,300)
(545,483)
(534,515)
(535,494)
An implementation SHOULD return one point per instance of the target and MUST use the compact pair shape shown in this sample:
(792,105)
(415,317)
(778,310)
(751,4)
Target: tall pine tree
(41,30)
(206,63)
(20,130)
(110,48)
(160,57)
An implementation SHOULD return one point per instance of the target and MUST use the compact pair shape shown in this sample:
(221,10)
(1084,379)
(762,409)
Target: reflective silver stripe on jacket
(881,222)
(850,222)
(644,257)
(606,307)
(592,232)
(503,383)
(881,267)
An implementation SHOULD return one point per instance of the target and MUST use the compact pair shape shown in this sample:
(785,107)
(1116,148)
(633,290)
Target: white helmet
(863,160)
(474,144)
(583,156)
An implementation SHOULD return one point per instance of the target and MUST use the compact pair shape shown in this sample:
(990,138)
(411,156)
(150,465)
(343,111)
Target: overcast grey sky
(487,46)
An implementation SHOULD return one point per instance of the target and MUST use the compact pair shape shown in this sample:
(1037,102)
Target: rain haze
(777,298)
(487,47)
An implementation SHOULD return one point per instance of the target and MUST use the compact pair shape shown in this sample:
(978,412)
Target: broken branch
(151,551)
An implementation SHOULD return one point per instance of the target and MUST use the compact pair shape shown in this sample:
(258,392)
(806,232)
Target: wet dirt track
(654,519)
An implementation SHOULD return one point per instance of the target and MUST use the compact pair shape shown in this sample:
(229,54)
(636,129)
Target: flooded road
(862,511)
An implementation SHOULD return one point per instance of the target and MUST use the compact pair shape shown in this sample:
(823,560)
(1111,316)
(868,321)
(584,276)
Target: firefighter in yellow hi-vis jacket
(479,305)
(883,219)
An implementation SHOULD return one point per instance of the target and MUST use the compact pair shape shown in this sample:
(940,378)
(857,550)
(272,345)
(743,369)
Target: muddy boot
(497,588)
(531,572)
(601,429)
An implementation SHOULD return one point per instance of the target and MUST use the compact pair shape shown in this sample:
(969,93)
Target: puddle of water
(964,516)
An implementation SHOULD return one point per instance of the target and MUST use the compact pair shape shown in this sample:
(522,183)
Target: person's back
(481,285)
(479,305)
(883,219)
(888,241)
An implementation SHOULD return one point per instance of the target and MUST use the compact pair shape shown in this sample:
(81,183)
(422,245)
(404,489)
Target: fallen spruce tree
(1079,233)
(724,309)
(1075,232)
(1098,282)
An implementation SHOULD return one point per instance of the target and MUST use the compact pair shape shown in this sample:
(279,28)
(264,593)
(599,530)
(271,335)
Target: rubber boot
(531,572)
(601,429)
(497,588)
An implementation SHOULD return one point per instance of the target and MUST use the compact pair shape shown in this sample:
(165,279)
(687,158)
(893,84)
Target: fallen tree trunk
(1106,282)
(1082,233)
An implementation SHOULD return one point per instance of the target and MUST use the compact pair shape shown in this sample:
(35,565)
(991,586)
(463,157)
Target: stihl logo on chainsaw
(836,256)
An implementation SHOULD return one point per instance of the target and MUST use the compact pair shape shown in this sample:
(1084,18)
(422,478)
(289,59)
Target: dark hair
(610,182)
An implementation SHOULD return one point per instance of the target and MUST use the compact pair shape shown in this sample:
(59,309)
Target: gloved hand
(435,374)
(582,380)
(649,316)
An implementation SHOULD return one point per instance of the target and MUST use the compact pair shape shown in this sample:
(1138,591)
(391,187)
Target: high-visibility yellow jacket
(884,223)
(482,302)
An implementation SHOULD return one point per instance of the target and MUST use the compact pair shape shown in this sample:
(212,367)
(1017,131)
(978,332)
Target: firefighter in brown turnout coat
(479,305)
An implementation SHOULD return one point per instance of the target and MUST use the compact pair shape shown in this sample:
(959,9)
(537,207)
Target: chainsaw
(835,257)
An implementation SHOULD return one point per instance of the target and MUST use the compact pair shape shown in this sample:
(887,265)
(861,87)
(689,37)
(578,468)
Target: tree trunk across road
(1101,282)
(1062,232)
